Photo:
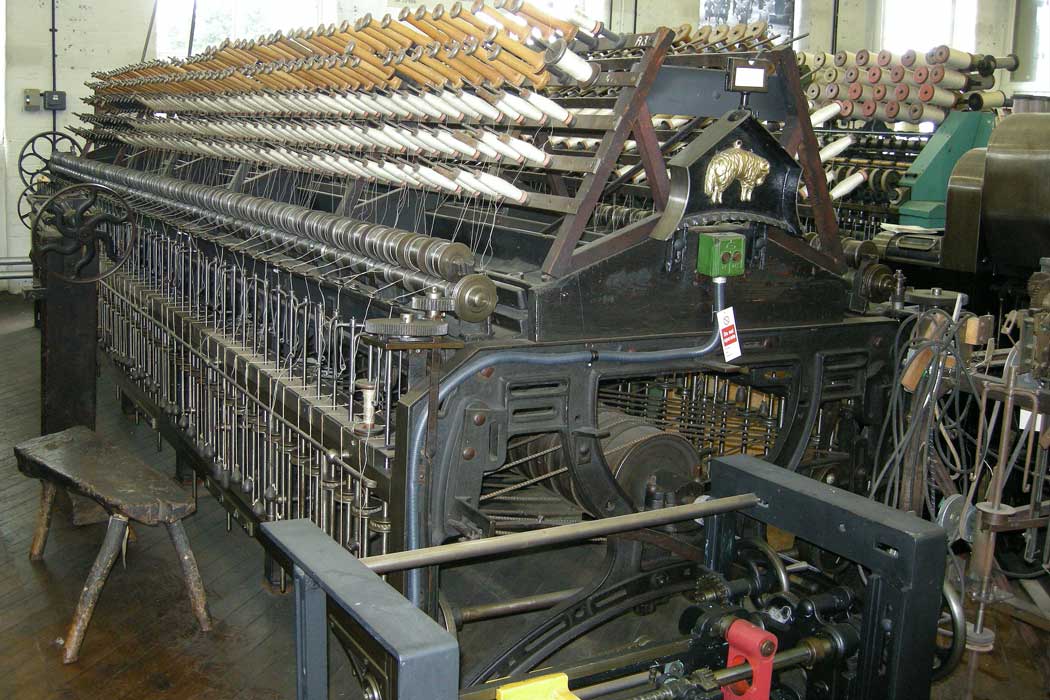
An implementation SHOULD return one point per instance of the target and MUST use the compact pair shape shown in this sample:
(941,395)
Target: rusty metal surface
(78,460)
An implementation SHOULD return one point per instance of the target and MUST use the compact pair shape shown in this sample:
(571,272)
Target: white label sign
(727,331)
(1027,416)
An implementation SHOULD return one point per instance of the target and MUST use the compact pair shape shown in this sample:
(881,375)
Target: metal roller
(648,463)
(447,260)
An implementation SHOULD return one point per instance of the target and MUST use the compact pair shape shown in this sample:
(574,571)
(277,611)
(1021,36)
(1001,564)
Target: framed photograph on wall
(780,14)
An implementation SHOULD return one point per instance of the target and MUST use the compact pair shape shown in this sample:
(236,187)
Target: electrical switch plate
(31,100)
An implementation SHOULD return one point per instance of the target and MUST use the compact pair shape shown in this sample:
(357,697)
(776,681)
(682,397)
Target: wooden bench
(77,460)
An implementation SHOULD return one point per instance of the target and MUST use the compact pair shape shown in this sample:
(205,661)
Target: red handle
(751,644)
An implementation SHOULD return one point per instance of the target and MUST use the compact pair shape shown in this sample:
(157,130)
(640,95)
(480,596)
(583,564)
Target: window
(907,24)
(234,19)
(1032,46)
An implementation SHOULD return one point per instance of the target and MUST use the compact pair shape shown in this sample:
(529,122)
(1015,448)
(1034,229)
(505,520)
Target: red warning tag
(727,329)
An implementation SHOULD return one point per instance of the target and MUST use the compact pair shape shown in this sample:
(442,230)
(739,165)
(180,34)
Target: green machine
(928,175)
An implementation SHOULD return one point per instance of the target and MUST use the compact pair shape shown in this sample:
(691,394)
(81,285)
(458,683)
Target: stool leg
(43,520)
(190,572)
(118,525)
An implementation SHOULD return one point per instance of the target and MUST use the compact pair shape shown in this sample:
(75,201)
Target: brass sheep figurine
(732,164)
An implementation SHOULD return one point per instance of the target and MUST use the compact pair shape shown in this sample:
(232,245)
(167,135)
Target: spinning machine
(467,281)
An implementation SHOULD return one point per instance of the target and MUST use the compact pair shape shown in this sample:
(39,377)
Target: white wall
(92,35)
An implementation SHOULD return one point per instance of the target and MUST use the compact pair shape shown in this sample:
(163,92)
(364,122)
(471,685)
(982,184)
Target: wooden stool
(77,460)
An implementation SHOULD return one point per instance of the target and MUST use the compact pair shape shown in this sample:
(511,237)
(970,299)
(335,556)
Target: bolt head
(469,453)
(767,647)
(479,419)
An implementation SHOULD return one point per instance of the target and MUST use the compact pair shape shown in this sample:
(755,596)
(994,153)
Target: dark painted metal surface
(773,201)
(702,92)
(1015,220)
(658,279)
(67,350)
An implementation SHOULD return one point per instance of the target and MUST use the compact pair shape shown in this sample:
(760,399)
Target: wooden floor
(144,644)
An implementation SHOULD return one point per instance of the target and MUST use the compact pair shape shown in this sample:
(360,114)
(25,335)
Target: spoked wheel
(36,154)
(85,217)
(30,200)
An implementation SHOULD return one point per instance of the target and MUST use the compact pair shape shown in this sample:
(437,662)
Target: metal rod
(472,549)
(193,28)
(742,672)
(54,61)
(806,653)
(616,685)
(515,606)
(149,29)
(16,275)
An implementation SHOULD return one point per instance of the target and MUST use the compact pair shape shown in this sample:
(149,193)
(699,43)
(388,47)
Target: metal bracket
(903,554)
(413,658)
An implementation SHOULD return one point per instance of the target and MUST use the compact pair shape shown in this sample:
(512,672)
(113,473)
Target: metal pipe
(472,549)
(8,262)
(193,27)
(515,606)
(149,30)
(616,685)
(16,275)
(54,61)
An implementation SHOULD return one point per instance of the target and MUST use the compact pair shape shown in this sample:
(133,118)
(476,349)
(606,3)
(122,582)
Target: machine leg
(183,471)
(43,520)
(272,572)
(118,525)
(191,574)
(311,638)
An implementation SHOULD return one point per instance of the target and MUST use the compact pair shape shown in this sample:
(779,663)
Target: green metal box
(720,254)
